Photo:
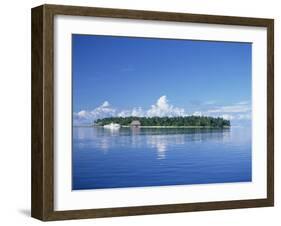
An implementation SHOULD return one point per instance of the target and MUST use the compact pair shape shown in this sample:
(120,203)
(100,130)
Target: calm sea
(104,158)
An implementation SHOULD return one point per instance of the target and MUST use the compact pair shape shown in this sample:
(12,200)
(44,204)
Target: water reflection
(154,138)
(162,142)
(85,133)
(135,157)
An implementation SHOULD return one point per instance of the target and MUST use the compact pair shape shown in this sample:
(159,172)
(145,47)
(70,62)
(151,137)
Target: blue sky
(160,77)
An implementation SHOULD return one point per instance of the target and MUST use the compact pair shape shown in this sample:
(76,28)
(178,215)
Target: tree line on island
(184,121)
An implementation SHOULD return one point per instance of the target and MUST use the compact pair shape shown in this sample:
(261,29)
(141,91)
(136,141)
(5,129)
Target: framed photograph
(142,112)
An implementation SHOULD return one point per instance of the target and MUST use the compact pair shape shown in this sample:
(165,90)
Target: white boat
(112,126)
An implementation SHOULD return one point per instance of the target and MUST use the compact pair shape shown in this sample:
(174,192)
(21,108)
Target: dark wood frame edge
(42,194)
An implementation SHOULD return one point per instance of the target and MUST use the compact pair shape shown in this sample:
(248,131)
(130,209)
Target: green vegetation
(187,121)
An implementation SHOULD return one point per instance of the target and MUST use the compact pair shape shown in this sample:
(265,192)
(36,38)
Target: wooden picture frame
(43,112)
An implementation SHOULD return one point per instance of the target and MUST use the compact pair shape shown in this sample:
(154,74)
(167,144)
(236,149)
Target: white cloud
(124,113)
(197,113)
(227,116)
(231,109)
(138,112)
(82,113)
(244,116)
(86,117)
(163,108)
(105,104)
(103,111)
(237,111)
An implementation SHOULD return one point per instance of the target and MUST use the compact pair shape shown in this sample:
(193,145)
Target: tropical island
(164,122)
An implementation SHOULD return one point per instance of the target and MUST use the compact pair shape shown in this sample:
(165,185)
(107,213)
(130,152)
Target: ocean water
(104,158)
